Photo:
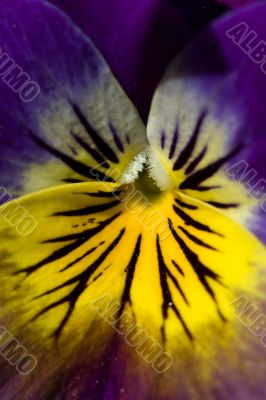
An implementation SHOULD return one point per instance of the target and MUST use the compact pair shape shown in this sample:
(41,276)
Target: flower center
(146,184)
(147,173)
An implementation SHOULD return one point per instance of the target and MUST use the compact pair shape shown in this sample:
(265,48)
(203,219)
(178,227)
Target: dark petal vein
(195,179)
(192,222)
(87,210)
(102,146)
(75,165)
(186,153)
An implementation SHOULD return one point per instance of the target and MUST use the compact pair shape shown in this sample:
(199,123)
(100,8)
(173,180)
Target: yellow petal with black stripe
(172,262)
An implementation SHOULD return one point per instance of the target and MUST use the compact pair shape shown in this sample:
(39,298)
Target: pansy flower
(129,251)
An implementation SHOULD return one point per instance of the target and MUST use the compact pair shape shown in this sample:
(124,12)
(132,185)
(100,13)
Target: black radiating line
(100,193)
(201,175)
(130,270)
(82,280)
(75,165)
(79,238)
(167,297)
(177,286)
(196,240)
(89,269)
(185,205)
(116,138)
(99,275)
(173,144)
(162,139)
(192,222)
(91,232)
(79,258)
(73,297)
(188,150)
(191,167)
(199,268)
(223,205)
(178,268)
(94,153)
(74,151)
(87,210)
(103,147)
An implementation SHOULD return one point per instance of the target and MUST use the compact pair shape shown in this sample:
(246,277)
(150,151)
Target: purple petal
(139,38)
(77,118)
(216,91)
(236,3)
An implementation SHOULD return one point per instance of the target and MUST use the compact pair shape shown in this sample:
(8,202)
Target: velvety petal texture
(73,295)
(139,38)
(207,124)
(238,3)
(113,289)
(79,124)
